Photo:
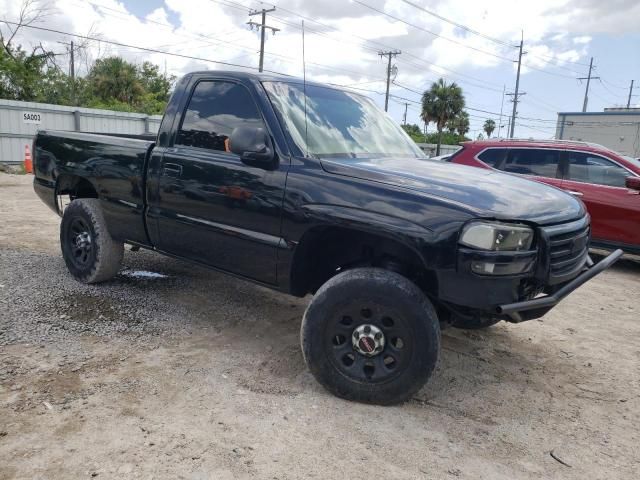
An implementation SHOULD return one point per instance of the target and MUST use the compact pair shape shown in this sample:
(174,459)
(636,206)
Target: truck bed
(114,165)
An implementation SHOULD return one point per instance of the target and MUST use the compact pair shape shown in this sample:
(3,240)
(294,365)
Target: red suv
(607,182)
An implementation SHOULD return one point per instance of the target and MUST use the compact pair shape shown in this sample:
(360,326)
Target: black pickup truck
(310,189)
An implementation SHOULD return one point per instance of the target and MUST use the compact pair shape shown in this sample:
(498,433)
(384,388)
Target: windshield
(339,123)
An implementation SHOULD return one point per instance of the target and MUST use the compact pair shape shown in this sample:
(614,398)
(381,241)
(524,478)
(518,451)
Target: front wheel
(371,335)
(90,253)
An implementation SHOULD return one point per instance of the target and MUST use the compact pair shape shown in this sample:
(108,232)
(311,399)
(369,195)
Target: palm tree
(462,124)
(115,78)
(489,127)
(459,124)
(440,104)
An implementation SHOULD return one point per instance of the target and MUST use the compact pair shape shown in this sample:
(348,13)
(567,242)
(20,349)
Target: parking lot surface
(172,371)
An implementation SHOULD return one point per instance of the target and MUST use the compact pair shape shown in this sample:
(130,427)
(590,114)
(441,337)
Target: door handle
(574,193)
(172,169)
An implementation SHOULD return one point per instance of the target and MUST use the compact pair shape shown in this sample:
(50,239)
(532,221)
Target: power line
(616,95)
(432,33)
(378,46)
(126,45)
(459,25)
(501,57)
(613,84)
(495,40)
(555,74)
(363,44)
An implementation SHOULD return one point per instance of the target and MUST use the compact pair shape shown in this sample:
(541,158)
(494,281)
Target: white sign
(31,117)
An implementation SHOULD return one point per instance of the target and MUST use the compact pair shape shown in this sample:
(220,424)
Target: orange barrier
(28,162)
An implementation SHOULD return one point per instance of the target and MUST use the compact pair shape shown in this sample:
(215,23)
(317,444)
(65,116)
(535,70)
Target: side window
(215,109)
(532,161)
(493,156)
(589,168)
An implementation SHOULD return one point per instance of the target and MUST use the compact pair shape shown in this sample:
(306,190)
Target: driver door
(212,207)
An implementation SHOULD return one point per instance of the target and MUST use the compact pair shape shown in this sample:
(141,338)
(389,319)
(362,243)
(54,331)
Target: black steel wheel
(369,342)
(371,335)
(80,242)
(89,251)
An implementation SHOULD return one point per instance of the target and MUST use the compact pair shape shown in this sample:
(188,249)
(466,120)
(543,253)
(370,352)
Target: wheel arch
(358,238)
(75,186)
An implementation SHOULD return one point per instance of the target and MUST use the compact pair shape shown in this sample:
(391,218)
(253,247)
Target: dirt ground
(196,375)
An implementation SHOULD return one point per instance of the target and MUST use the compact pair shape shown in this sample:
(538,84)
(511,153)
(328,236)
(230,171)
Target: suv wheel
(371,335)
(90,253)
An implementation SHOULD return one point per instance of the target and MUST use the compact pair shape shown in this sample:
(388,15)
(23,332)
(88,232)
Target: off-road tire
(375,297)
(102,261)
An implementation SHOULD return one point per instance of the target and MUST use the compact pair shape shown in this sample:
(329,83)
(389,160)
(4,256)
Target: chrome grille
(568,248)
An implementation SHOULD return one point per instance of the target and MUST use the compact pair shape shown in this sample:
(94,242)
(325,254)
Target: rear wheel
(371,335)
(90,253)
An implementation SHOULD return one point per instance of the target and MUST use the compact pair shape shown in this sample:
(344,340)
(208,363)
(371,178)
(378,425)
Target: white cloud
(209,29)
(582,40)
(556,32)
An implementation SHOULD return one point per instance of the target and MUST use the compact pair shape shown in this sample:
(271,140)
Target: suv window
(493,156)
(215,109)
(533,161)
(590,168)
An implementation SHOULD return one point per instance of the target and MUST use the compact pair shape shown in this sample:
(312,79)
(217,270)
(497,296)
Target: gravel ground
(192,374)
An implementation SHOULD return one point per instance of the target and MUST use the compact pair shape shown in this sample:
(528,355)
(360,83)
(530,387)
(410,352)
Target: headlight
(497,236)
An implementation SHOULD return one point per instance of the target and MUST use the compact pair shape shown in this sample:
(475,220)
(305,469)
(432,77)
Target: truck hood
(487,193)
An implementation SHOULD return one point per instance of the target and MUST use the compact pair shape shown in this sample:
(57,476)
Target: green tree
(157,88)
(414,132)
(28,75)
(113,80)
(116,84)
(459,124)
(489,127)
(440,104)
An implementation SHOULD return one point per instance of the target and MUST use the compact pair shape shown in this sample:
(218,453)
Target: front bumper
(537,307)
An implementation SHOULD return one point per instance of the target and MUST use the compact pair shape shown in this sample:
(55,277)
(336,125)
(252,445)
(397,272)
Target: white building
(615,128)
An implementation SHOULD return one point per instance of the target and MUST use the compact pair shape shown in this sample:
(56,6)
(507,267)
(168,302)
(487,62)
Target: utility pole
(404,119)
(73,64)
(586,91)
(262,26)
(72,68)
(390,54)
(504,89)
(630,91)
(512,119)
(73,74)
(517,92)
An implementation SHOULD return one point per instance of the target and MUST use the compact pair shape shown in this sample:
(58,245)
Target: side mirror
(253,145)
(633,183)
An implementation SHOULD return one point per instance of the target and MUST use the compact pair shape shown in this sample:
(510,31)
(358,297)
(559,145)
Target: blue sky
(343,37)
